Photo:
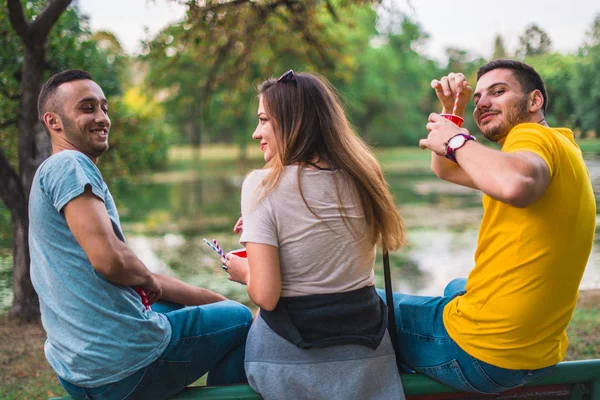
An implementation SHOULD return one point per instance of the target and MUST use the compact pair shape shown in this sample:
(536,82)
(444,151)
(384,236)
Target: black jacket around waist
(323,320)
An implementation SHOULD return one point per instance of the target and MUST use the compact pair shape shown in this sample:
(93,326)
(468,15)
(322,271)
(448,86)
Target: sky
(466,24)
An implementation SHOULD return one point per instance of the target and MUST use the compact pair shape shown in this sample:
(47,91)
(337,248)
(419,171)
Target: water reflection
(165,221)
(442,218)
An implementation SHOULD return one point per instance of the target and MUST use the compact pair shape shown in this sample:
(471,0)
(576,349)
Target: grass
(584,329)
(24,371)
(589,145)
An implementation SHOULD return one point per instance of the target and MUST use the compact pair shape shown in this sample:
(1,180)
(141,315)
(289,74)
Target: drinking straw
(213,247)
(455,103)
(218,247)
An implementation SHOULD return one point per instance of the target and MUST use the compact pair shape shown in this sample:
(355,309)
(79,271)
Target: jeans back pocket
(450,374)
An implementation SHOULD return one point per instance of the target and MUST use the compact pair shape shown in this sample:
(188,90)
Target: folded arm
(518,178)
(179,292)
(90,223)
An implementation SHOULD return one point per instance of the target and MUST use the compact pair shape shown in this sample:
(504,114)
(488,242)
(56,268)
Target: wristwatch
(455,143)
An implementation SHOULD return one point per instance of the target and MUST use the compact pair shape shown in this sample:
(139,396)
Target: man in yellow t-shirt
(505,325)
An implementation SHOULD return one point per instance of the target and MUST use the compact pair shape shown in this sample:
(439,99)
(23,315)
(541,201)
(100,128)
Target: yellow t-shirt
(529,262)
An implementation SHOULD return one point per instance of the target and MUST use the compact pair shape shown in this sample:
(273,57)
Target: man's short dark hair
(528,77)
(46,99)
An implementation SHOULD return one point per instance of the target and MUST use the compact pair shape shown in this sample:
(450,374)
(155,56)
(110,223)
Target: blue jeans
(209,338)
(425,346)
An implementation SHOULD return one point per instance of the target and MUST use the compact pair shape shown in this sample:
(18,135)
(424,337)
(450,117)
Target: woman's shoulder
(253,180)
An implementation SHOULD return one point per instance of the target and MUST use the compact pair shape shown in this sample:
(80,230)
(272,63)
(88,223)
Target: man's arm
(179,292)
(450,171)
(90,223)
(518,178)
(446,90)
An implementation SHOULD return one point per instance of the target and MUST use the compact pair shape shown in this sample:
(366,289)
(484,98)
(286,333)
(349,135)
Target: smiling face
(83,121)
(265,133)
(500,104)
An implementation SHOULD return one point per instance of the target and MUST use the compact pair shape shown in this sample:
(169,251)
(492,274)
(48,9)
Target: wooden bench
(573,380)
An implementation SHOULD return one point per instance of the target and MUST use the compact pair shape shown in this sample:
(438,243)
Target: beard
(79,139)
(518,114)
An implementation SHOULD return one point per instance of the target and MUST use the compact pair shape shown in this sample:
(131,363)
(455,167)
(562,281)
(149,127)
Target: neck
(57,147)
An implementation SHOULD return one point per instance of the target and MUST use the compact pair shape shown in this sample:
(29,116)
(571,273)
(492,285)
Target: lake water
(166,218)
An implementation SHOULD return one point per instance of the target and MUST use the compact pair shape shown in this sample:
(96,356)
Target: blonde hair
(309,122)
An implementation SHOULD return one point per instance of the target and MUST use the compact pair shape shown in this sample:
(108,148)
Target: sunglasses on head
(289,76)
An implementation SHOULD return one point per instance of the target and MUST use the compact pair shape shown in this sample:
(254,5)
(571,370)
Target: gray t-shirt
(98,332)
(316,256)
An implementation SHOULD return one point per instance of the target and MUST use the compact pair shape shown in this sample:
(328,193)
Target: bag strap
(389,299)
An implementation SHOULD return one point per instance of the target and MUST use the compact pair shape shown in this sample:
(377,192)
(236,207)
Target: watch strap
(450,151)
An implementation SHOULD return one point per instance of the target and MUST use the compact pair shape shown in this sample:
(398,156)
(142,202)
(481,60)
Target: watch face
(456,142)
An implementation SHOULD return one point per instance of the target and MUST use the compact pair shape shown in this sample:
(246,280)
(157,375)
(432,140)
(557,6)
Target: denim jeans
(209,338)
(425,346)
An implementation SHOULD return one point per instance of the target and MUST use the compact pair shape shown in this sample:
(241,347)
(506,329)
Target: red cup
(240,252)
(144,297)
(454,118)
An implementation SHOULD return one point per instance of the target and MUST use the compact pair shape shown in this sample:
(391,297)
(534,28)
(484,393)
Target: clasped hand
(440,131)
(153,289)
(237,268)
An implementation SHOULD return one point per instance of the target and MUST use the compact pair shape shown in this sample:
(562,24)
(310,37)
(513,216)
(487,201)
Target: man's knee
(237,313)
(455,287)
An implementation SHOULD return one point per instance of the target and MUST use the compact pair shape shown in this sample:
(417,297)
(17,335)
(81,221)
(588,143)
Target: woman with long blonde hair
(312,219)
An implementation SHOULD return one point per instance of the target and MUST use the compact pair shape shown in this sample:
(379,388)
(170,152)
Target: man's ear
(52,121)
(536,101)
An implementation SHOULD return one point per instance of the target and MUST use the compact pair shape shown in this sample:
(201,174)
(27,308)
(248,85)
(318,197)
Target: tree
(37,39)
(389,96)
(593,35)
(586,84)
(223,48)
(33,145)
(558,72)
(499,50)
(534,42)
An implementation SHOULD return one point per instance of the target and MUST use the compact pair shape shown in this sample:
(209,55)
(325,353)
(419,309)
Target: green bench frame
(573,380)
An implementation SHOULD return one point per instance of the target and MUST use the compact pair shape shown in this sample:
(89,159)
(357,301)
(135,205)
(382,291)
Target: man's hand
(446,89)
(440,131)
(153,289)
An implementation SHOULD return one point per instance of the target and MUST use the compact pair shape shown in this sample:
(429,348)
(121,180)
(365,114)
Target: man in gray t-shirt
(101,337)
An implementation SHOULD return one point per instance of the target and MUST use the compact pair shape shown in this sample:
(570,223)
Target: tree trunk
(34,147)
(196,131)
(11,192)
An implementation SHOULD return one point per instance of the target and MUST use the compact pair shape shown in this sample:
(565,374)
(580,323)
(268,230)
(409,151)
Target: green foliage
(5,224)
(209,65)
(558,72)
(139,138)
(389,98)
(586,85)
(499,49)
(534,42)
(69,46)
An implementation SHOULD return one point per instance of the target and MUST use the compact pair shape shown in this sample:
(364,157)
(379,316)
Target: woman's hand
(239,226)
(237,268)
